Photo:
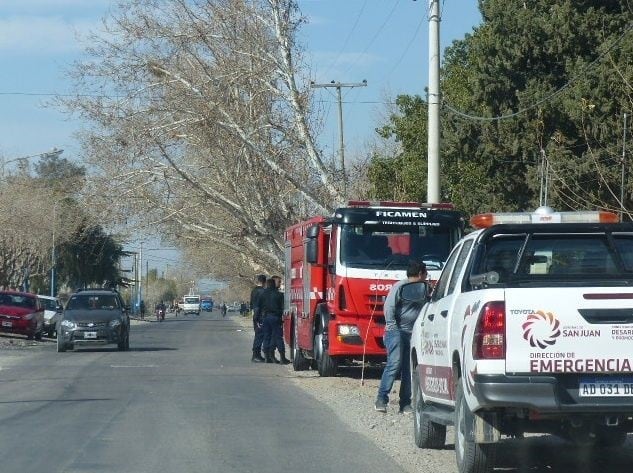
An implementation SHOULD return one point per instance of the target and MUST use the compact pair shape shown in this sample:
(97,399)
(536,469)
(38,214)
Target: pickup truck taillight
(490,334)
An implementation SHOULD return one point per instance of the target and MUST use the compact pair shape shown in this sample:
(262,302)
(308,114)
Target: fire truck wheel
(471,457)
(299,362)
(326,365)
(427,434)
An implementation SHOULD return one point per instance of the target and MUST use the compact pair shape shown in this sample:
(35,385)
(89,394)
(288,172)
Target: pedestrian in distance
(142,307)
(399,319)
(223,309)
(258,320)
(271,306)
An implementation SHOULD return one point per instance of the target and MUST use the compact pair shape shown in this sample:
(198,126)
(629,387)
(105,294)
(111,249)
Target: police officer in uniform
(271,306)
(258,319)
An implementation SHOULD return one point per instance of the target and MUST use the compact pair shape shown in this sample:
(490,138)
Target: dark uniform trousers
(273,334)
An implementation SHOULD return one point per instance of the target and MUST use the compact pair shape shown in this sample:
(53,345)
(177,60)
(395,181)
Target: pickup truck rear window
(549,256)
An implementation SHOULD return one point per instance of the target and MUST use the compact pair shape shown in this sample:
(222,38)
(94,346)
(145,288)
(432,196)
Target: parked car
(94,317)
(51,313)
(22,313)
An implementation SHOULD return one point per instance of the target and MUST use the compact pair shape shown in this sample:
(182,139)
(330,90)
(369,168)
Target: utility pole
(140,275)
(338,86)
(433,141)
(623,170)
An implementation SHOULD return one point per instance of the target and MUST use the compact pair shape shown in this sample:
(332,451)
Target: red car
(21,312)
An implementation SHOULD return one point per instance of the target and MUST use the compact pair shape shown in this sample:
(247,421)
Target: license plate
(7,324)
(606,387)
(90,335)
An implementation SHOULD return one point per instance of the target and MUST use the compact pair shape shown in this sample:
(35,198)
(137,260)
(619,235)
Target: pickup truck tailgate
(569,330)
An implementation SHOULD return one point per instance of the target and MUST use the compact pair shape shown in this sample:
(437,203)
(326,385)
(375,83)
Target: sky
(382,41)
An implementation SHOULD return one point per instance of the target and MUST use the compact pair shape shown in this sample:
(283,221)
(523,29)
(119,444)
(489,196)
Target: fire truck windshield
(372,245)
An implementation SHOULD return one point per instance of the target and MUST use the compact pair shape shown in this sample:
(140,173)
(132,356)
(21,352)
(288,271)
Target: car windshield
(191,300)
(49,304)
(17,300)
(379,245)
(93,302)
(549,256)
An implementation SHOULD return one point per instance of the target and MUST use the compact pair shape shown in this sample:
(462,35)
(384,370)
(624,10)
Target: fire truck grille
(374,303)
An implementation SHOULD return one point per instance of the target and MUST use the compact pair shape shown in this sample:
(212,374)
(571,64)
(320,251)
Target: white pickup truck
(191,304)
(529,329)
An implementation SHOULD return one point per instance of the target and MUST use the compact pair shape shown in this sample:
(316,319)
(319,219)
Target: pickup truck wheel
(299,362)
(326,365)
(471,457)
(427,434)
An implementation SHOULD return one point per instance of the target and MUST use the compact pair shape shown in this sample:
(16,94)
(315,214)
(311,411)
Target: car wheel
(427,434)
(38,335)
(61,346)
(471,457)
(123,344)
(326,365)
(299,362)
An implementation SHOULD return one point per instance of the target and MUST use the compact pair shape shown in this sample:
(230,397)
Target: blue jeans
(397,344)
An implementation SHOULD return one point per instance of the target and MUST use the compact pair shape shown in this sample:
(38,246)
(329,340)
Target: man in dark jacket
(271,306)
(258,319)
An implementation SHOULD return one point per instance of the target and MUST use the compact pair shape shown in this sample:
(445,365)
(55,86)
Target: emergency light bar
(392,204)
(542,215)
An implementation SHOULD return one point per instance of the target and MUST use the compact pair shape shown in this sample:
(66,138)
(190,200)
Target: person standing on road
(223,309)
(258,321)
(279,338)
(142,307)
(271,306)
(399,319)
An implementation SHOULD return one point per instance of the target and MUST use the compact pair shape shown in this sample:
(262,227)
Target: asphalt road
(186,398)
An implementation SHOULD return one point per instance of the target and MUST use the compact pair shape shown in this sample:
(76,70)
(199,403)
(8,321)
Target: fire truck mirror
(312,251)
(313,231)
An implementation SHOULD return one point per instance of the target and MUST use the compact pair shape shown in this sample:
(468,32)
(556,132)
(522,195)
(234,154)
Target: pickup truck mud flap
(484,427)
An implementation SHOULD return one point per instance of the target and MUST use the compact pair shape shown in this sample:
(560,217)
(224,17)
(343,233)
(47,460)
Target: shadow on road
(115,349)
(26,401)
(549,454)
(356,372)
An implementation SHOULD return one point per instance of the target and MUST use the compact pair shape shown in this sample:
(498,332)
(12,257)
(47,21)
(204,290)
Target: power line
(549,96)
(406,50)
(371,42)
(349,35)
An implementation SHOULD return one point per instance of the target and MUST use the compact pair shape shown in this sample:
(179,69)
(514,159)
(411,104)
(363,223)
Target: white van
(191,304)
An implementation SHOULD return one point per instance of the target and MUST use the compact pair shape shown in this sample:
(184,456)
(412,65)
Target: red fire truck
(338,271)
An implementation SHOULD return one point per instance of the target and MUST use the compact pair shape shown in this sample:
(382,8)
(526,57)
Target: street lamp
(53,257)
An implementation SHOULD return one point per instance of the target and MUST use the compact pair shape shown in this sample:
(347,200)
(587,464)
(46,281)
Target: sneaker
(406,409)
(380,406)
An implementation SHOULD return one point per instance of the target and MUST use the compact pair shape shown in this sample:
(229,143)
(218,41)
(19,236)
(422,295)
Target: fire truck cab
(338,271)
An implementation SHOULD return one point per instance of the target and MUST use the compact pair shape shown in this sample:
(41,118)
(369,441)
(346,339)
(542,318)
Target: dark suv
(94,317)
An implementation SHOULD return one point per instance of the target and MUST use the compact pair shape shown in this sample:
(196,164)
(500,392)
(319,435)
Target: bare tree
(27,225)
(207,128)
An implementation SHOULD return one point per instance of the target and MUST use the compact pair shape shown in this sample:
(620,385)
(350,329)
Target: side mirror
(414,292)
(312,251)
(313,231)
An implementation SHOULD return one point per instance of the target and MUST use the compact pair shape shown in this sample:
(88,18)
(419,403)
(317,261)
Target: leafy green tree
(563,68)
(90,257)
(560,75)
